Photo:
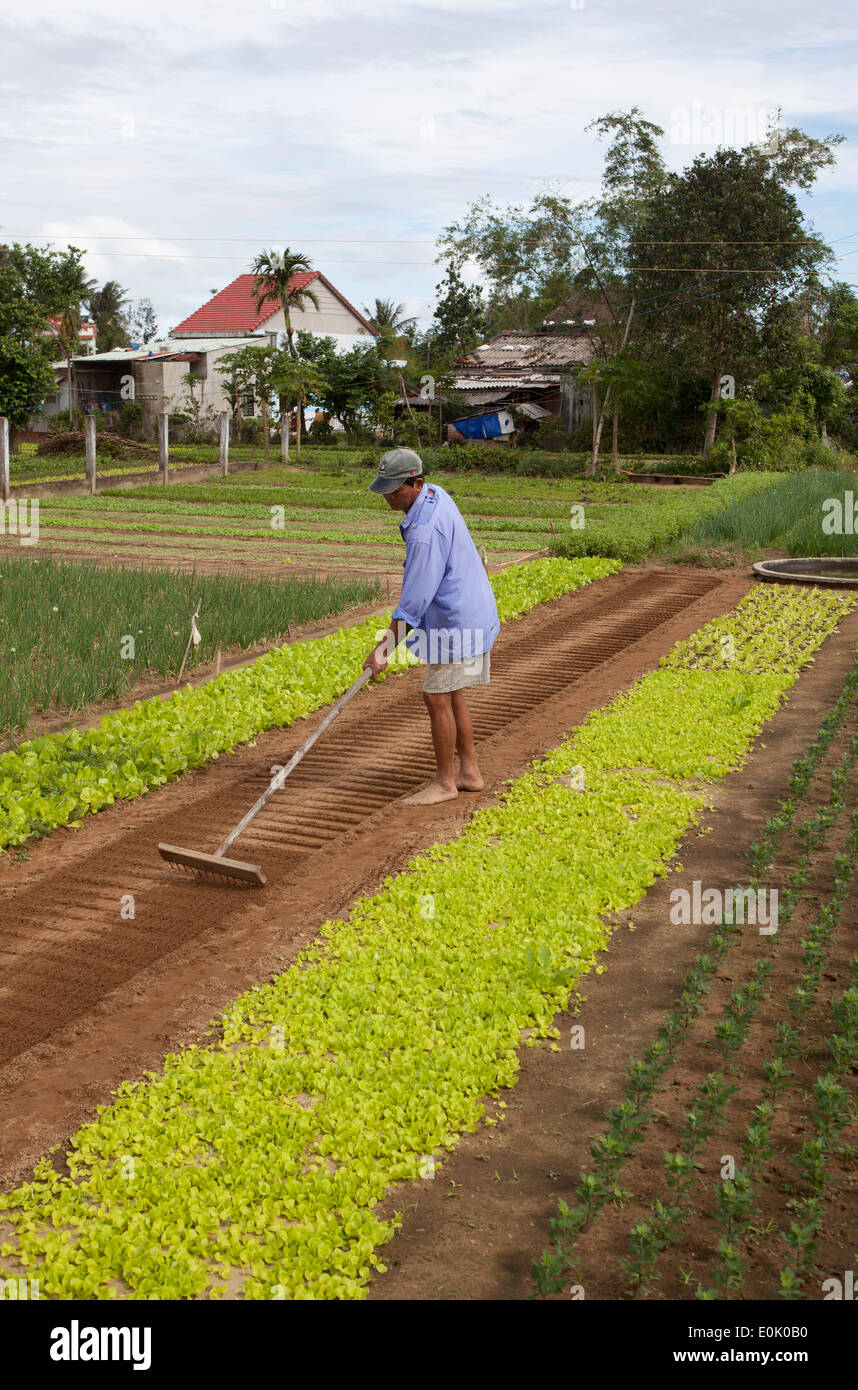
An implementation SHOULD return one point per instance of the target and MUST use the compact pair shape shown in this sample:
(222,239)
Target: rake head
(212,866)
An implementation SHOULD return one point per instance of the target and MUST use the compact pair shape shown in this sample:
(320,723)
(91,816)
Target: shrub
(130,421)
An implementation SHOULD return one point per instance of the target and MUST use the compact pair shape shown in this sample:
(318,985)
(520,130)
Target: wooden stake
(190,639)
(408,408)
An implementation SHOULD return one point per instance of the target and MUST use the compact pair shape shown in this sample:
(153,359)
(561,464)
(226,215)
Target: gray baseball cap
(394,468)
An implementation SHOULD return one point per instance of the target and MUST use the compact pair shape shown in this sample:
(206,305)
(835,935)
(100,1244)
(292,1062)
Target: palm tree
(387,318)
(75,288)
(107,308)
(275,272)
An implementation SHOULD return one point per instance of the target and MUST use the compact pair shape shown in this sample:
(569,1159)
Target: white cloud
(369,123)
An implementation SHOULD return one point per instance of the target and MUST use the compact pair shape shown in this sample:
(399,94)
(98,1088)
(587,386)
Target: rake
(235,870)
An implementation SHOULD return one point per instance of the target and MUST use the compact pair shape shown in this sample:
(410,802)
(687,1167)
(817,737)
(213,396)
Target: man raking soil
(448,607)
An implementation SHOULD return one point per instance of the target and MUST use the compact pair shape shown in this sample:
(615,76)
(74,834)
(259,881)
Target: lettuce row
(252,1167)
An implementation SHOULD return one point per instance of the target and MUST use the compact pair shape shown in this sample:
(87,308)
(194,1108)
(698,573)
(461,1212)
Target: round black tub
(840,571)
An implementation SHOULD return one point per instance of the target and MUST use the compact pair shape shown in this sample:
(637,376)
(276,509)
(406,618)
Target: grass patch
(633,532)
(791,516)
(64,626)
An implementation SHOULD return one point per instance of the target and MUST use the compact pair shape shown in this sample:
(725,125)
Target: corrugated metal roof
(485,397)
(538,381)
(514,349)
(166,347)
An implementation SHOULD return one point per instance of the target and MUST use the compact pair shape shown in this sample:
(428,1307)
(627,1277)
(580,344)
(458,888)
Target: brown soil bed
(220,555)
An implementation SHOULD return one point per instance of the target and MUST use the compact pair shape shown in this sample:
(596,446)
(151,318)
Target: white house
(230,320)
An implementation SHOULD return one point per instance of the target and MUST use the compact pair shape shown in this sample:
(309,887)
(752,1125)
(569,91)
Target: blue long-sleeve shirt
(446,595)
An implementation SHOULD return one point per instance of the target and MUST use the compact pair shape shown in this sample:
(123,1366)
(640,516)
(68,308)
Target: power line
(648,269)
(391,241)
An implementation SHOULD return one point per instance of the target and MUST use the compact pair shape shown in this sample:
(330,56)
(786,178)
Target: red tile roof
(234,309)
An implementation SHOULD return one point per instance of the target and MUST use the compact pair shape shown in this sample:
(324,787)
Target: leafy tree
(633,173)
(34,283)
(275,273)
(75,288)
(193,402)
(355,381)
(297,382)
(232,388)
(632,384)
(721,243)
(836,328)
(142,322)
(107,309)
(826,397)
(388,318)
(251,372)
(526,255)
(793,158)
(458,323)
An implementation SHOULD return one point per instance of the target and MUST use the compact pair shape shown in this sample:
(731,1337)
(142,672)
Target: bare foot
(432,793)
(469,782)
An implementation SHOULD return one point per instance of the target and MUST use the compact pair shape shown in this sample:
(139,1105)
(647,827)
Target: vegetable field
(328,520)
(52,780)
(261,1157)
(515,1045)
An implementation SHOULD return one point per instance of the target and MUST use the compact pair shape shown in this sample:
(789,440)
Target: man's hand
(377,659)
(381,654)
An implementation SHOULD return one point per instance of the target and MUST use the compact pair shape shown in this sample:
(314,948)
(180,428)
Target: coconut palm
(107,309)
(275,272)
(75,288)
(387,318)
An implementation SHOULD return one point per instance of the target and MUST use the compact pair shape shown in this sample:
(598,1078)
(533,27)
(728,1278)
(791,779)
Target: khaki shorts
(455,675)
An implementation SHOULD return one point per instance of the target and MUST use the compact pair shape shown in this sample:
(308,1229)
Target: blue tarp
(485,426)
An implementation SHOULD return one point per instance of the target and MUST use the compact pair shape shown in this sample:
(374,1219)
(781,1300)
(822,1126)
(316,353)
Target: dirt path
(90,997)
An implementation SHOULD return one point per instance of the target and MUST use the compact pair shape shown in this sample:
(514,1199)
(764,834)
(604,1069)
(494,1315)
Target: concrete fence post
(4,458)
(89,430)
(164,446)
(284,437)
(224,442)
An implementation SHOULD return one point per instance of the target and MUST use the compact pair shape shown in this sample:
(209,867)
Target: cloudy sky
(173,140)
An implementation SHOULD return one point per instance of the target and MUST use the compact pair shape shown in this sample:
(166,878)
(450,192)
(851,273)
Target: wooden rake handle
(280,777)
